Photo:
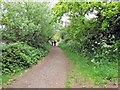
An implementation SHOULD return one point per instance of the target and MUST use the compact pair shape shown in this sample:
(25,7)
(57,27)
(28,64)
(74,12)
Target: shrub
(18,56)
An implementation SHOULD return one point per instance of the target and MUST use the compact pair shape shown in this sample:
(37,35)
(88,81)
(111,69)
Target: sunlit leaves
(28,21)
(92,25)
(104,24)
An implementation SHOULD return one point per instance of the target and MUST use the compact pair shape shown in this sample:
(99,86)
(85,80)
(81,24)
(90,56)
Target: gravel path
(51,72)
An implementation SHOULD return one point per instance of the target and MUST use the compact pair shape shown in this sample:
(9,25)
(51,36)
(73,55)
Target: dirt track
(48,73)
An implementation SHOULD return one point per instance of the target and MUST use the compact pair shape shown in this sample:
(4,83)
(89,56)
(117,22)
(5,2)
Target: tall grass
(83,69)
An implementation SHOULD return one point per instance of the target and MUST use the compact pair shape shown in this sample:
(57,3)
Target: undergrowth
(98,73)
(17,57)
(8,78)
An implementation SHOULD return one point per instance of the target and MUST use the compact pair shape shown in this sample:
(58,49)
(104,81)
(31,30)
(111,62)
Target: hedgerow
(19,55)
(92,31)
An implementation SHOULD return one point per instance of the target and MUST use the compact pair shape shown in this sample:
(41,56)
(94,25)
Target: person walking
(54,43)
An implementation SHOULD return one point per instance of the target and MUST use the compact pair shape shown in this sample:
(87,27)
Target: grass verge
(88,74)
(9,78)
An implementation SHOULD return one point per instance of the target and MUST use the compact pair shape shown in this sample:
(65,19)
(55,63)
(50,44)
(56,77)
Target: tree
(27,22)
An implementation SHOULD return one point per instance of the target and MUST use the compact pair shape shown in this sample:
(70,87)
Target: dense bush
(18,56)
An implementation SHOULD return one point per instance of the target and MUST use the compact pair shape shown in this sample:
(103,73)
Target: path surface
(48,73)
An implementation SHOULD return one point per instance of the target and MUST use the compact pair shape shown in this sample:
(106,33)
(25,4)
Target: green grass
(77,72)
(83,70)
(9,78)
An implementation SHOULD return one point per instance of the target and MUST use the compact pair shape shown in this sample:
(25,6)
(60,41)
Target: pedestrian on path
(55,43)
(52,43)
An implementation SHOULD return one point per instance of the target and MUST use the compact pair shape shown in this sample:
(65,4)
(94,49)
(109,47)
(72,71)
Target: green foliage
(7,78)
(99,73)
(104,25)
(95,37)
(27,30)
(18,56)
(27,22)
(97,42)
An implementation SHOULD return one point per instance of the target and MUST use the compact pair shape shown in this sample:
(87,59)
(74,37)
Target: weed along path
(48,73)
